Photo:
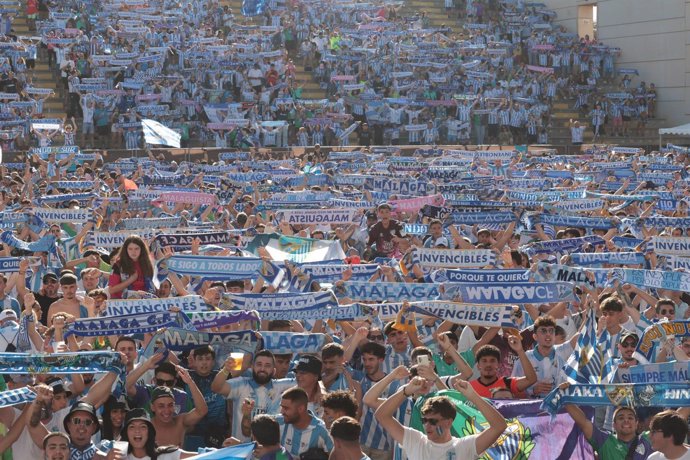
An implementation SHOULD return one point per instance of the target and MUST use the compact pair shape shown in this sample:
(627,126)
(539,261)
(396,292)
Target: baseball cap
(626,334)
(49,276)
(7,314)
(442,241)
(309,363)
(58,386)
(371,215)
(161,392)
(138,414)
(81,406)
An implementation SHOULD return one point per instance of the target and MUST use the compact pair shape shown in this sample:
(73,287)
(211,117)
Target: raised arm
(200,410)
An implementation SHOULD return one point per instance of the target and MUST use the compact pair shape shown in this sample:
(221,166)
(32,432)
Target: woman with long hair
(140,433)
(113,419)
(133,270)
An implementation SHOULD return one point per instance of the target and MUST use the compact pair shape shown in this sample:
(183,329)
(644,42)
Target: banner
(210,319)
(183,241)
(671,246)
(123,325)
(474,315)
(318,216)
(189,303)
(112,240)
(83,362)
(393,292)
(9,264)
(330,273)
(158,222)
(51,215)
(596,223)
(530,433)
(557,246)
(480,276)
(289,342)
(415,204)
(675,281)
(674,372)
(192,198)
(158,134)
(179,340)
(278,301)
(215,268)
(555,272)
(658,332)
(631,395)
(15,397)
(451,258)
(613,258)
(516,293)
(352,312)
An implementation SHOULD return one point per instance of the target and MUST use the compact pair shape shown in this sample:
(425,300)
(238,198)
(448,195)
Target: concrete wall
(654,36)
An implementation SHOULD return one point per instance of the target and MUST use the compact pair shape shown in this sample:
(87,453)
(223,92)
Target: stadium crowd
(388,78)
(355,304)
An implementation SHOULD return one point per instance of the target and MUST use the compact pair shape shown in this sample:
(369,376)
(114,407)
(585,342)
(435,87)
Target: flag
(238,452)
(531,433)
(405,320)
(158,134)
(586,362)
(296,249)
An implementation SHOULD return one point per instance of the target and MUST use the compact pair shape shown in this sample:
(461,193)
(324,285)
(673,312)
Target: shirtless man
(70,303)
(170,428)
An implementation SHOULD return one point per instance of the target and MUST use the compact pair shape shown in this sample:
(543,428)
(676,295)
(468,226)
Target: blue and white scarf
(279,301)
(393,292)
(516,293)
(613,258)
(452,258)
(289,342)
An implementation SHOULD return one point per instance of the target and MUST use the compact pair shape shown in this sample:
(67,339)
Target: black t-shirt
(383,237)
(45,302)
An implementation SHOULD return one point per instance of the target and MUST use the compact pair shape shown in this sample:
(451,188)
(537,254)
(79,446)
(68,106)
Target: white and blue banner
(453,258)
(632,395)
(215,268)
(83,362)
(290,342)
(319,216)
(612,258)
(183,241)
(157,222)
(673,372)
(483,218)
(674,281)
(515,293)
(124,325)
(188,303)
(480,276)
(342,313)
(583,205)
(158,134)
(474,315)
(224,343)
(210,319)
(9,264)
(392,292)
(22,395)
(51,215)
(278,301)
(671,246)
(554,272)
(112,240)
(330,273)
(558,246)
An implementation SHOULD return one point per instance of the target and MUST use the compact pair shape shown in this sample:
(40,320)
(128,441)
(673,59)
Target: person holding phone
(438,413)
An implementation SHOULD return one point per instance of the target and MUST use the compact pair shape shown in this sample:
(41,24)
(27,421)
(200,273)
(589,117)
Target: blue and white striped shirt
(298,441)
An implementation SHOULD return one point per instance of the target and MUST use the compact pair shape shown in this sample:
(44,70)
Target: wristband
(224,371)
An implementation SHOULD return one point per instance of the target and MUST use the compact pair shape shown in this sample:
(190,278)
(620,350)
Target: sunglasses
(165,383)
(629,344)
(376,337)
(430,421)
(81,421)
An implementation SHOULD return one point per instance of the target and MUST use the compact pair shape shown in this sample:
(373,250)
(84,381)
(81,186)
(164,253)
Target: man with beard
(56,446)
(261,388)
(46,295)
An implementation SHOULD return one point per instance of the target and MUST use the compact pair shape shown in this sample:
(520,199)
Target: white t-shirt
(418,447)
(577,132)
(660,456)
